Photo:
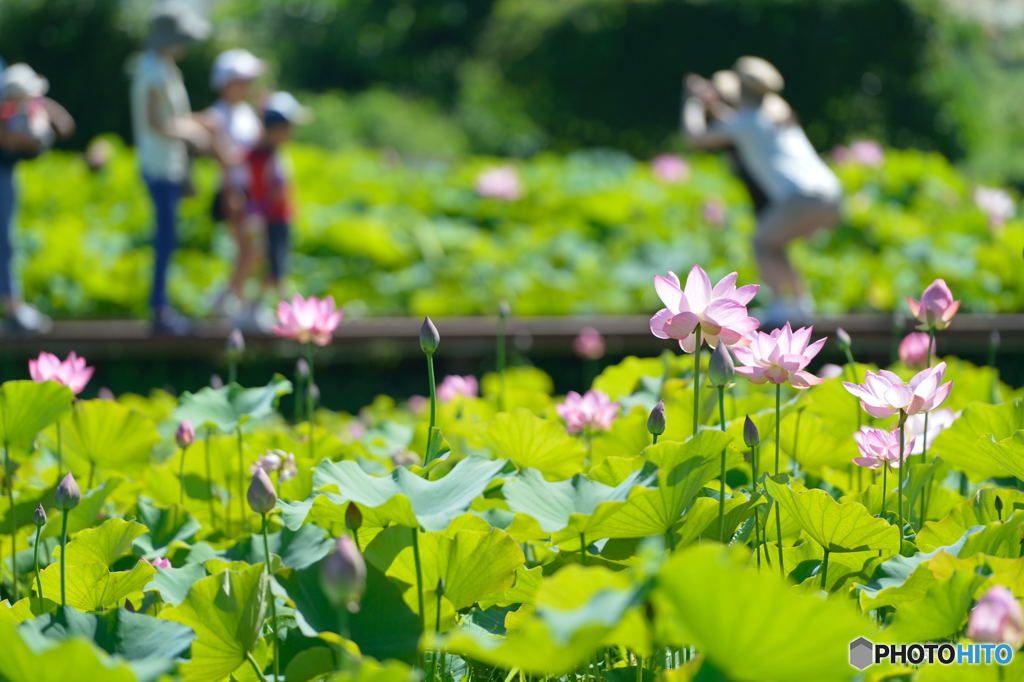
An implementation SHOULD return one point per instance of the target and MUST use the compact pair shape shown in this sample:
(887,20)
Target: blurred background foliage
(440,78)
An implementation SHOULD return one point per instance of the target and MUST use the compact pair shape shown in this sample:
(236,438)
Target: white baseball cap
(285,104)
(235,65)
(21,80)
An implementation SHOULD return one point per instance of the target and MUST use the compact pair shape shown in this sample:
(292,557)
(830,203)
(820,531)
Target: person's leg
(7,199)
(277,254)
(245,256)
(166,196)
(778,225)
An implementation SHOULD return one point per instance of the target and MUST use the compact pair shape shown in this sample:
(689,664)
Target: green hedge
(387,236)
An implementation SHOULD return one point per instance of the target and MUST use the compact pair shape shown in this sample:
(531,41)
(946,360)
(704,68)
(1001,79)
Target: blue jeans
(8,198)
(165,195)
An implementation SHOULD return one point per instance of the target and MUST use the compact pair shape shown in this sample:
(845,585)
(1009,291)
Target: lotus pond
(709,515)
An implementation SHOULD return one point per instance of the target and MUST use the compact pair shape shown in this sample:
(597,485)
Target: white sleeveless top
(239,130)
(779,157)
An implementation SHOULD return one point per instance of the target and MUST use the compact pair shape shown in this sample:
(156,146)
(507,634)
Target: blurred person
(30,123)
(164,129)
(726,84)
(270,199)
(803,193)
(236,129)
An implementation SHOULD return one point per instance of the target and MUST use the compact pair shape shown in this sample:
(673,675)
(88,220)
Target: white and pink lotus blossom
(938,421)
(879,447)
(454,385)
(780,357)
(71,372)
(592,411)
(670,168)
(159,562)
(885,393)
(719,312)
(997,618)
(996,203)
(914,350)
(936,308)
(500,183)
(308,320)
(589,344)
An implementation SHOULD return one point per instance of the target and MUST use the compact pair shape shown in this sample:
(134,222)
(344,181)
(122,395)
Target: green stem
(903,428)
(310,408)
(92,475)
(501,362)
(299,397)
(63,554)
(181,478)
(778,438)
(654,439)
(433,406)
(60,454)
(885,487)
(255,666)
(35,559)
(273,606)
(209,479)
(721,494)
(583,549)
(241,477)
(232,368)
(931,345)
(419,587)
(696,382)
(14,524)
(824,571)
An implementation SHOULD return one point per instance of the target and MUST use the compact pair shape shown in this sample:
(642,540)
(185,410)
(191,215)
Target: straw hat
(727,85)
(21,80)
(235,65)
(759,75)
(175,23)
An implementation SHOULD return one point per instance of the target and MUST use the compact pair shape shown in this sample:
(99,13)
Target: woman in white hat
(236,129)
(30,123)
(803,193)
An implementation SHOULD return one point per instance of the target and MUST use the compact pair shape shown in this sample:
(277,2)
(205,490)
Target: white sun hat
(21,80)
(285,104)
(759,74)
(235,65)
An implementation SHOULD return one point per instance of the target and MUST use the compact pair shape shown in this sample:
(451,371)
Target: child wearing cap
(236,129)
(30,123)
(269,180)
(164,128)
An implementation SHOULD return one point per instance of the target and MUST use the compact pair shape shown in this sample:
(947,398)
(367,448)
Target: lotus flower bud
(504,310)
(105,394)
(843,338)
(302,369)
(429,337)
(236,342)
(343,574)
(185,434)
(353,517)
(68,493)
(751,436)
(721,368)
(39,515)
(216,381)
(314,392)
(261,495)
(656,422)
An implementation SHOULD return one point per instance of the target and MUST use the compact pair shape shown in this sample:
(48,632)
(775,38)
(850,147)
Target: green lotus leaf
(93,586)
(1007,454)
(560,505)
(720,603)
(104,544)
(297,549)
(173,584)
(531,442)
(164,526)
(73,659)
(149,644)
(16,613)
(88,510)
(978,510)
(226,611)
(26,408)
(836,526)
(106,435)
(228,407)
(473,564)
(933,608)
(406,498)
(979,422)
(372,671)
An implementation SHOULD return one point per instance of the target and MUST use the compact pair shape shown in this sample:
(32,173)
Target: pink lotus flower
(914,350)
(417,404)
(589,344)
(72,372)
(780,357)
(936,307)
(720,312)
(670,168)
(997,204)
(500,183)
(938,421)
(830,370)
(714,212)
(308,319)
(997,618)
(454,385)
(863,152)
(879,447)
(884,394)
(159,562)
(592,411)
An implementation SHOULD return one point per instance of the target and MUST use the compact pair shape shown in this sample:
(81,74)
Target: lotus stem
(696,382)
(255,666)
(60,453)
(241,476)
(232,368)
(209,478)
(9,473)
(35,560)
(310,408)
(433,406)
(721,495)
(181,478)
(63,556)
(419,588)
(778,438)
(903,429)
(92,475)
(273,607)
(885,487)
(824,571)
